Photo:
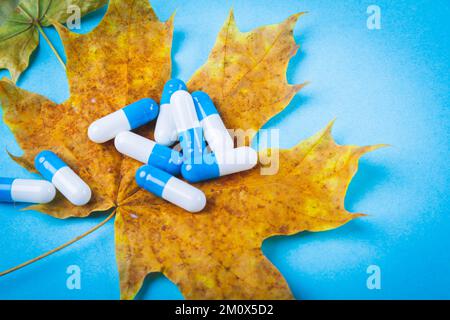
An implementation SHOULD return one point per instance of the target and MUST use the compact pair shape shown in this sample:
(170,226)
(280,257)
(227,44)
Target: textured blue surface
(383,86)
(141,112)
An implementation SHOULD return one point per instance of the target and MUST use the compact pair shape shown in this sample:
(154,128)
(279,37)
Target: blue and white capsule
(212,165)
(190,133)
(63,178)
(147,151)
(128,118)
(216,134)
(170,188)
(165,129)
(26,190)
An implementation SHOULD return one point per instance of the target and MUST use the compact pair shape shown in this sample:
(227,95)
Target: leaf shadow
(368,176)
(177,43)
(298,102)
(294,64)
(275,248)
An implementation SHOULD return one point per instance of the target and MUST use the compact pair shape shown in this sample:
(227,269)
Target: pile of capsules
(189,119)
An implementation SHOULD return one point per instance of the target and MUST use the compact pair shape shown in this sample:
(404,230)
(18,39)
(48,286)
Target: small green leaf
(19,34)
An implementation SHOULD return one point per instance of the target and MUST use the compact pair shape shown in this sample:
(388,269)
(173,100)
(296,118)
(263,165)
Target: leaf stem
(51,45)
(20,266)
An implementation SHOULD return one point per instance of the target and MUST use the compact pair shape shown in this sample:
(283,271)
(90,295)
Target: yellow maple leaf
(245,74)
(214,254)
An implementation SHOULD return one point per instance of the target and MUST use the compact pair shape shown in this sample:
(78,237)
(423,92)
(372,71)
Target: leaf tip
(21,161)
(329,127)
(358,215)
(172,17)
(292,20)
(298,87)
(231,16)
(367,149)
(297,15)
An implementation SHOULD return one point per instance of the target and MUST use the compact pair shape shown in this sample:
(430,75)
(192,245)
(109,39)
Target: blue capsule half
(170,87)
(203,105)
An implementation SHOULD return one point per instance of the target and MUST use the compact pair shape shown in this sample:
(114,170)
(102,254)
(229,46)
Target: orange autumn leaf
(215,254)
(107,69)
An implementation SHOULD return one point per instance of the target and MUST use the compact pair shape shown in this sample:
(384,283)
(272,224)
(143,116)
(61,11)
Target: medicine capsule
(170,188)
(165,129)
(26,190)
(216,134)
(218,165)
(62,177)
(189,131)
(149,152)
(125,119)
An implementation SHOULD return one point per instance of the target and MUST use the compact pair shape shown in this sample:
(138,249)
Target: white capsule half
(217,136)
(63,178)
(147,151)
(190,133)
(26,190)
(35,191)
(184,195)
(72,186)
(183,111)
(108,127)
(237,160)
(165,129)
(134,146)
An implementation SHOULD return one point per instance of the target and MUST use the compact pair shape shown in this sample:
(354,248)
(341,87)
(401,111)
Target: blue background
(383,86)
